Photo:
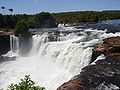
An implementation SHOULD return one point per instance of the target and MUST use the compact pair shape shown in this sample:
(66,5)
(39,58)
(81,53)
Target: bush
(44,20)
(25,84)
(22,29)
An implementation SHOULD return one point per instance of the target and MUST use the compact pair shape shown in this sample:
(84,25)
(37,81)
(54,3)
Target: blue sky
(35,6)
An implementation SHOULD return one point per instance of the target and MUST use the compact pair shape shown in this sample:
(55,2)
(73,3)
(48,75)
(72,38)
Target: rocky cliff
(104,74)
(4,44)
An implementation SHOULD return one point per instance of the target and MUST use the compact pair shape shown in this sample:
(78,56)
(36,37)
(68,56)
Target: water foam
(52,63)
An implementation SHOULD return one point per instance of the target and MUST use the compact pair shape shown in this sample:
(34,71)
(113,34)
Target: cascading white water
(38,41)
(14,46)
(50,63)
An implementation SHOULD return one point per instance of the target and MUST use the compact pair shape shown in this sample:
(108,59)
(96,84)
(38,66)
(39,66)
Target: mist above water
(50,64)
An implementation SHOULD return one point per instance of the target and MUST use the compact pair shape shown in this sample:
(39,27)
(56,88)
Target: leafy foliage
(45,19)
(86,16)
(41,20)
(25,84)
(22,29)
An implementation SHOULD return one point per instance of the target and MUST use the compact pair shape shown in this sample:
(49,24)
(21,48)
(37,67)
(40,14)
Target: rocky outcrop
(4,44)
(112,45)
(104,74)
(109,47)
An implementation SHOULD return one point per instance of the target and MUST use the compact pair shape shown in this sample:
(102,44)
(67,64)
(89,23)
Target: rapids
(51,63)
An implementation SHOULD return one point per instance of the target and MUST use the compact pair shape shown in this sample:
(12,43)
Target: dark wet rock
(54,36)
(95,54)
(4,44)
(6,59)
(106,71)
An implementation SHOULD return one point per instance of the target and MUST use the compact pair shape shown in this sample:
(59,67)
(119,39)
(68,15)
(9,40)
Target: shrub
(22,29)
(25,84)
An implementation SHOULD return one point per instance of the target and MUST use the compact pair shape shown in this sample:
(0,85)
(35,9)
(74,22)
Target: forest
(86,16)
(49,20)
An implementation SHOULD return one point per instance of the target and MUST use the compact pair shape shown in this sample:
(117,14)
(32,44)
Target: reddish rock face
(70,85)
(100,48)
(112,41)
(109,46)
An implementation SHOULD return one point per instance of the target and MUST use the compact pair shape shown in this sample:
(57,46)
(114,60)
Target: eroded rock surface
(109,46)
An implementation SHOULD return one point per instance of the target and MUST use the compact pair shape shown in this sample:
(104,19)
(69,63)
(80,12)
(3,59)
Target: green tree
(45,20)
(25,84)
(22,29)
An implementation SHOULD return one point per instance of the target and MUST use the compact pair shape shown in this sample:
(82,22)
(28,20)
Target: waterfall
(14,46)
(38,41)
(50,63)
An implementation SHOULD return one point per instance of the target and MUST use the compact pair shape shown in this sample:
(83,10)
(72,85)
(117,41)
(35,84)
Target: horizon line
(57,12)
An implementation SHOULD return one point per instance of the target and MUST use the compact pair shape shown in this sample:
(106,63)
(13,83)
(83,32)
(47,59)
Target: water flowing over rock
(52,62)
(103,74)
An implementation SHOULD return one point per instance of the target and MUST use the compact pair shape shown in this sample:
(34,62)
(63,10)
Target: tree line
(86,16)
(40,20)
(45,19)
